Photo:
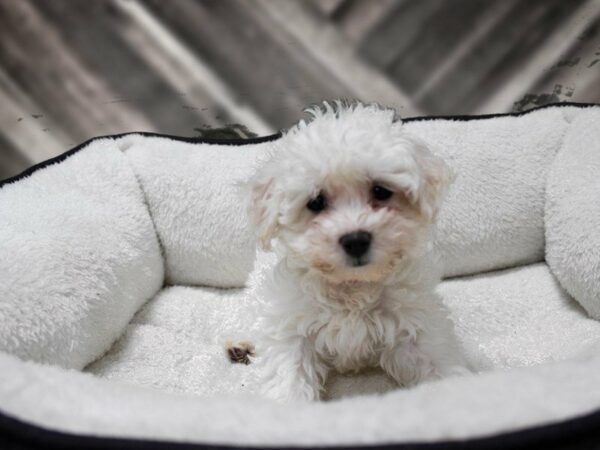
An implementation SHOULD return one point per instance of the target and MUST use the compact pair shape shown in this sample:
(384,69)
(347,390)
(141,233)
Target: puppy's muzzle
(356,245)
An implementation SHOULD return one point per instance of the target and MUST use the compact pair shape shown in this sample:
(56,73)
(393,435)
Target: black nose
(356,244)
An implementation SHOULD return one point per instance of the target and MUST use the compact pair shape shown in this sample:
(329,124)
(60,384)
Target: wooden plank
(485,23)
(394,35)
(70,93)
(264,67)
(26,127)
(22,129)
(334,53)
(185,71)
(101,31)
(359,17)
(328,7)
(554,46)
(587,87)
(442,32)
(12,162)
(586,73)
(502,51)
(575,77)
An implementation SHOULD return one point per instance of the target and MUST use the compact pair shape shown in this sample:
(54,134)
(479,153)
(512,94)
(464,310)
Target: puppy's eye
(317,204)
(380,193)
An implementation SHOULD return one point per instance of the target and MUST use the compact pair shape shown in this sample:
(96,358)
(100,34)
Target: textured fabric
(78,257)
(518,317)
(84,257)
(197,208)
(573,213)
(452,408)
(493,215)
(176,341)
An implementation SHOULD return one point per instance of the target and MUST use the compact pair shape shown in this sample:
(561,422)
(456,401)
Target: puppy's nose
(356,244)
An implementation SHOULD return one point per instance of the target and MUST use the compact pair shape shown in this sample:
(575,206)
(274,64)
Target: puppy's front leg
(412,361)
(407,364)
(293,370)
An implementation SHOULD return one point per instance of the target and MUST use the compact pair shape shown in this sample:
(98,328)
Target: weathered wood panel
(332,52)
(12,161)
(128,75)
(250,55)
(504,49)
(555,50)
(446,29)
(71,69)
(394,35)
(42,64)
(356,18)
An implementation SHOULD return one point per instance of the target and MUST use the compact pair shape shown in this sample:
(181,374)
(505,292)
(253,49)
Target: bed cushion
(79,257)
(449,410)
(81,278)
(573,213)
(175,341)
(197,209)
(493,216)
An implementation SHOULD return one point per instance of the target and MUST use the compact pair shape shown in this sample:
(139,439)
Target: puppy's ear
(436,177)
(263,208)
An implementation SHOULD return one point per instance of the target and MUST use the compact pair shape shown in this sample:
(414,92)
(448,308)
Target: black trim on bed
(492,116)
(191,140)
(578,433)
(272,137)
(582,432)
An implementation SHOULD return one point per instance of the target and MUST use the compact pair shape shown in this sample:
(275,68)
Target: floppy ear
(263,208)
(425,191)
(436,177)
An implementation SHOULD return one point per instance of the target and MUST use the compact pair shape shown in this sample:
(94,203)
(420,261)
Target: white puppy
(346,202)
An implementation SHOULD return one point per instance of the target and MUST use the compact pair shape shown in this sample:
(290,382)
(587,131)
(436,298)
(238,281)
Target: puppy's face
(348,209)
(353,226)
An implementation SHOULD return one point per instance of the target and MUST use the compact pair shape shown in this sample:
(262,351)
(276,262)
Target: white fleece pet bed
(122,266)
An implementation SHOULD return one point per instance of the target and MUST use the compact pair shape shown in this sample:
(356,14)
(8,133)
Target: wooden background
(74,69)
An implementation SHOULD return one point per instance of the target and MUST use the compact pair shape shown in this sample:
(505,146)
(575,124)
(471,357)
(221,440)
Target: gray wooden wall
(74,69)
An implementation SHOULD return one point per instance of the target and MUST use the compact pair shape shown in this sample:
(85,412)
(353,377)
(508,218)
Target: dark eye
(380,193)
(317,204)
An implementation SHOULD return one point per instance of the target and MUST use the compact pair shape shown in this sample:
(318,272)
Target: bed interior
(127,336)
(511,318)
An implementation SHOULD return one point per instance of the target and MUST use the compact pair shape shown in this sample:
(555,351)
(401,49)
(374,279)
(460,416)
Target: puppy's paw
(240,352)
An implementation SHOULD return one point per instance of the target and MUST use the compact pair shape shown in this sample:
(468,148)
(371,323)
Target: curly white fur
(325,308)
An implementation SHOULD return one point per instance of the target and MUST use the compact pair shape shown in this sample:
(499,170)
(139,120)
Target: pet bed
(123,264)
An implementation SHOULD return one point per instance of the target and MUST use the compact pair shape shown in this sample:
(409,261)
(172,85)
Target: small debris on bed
(240,352)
